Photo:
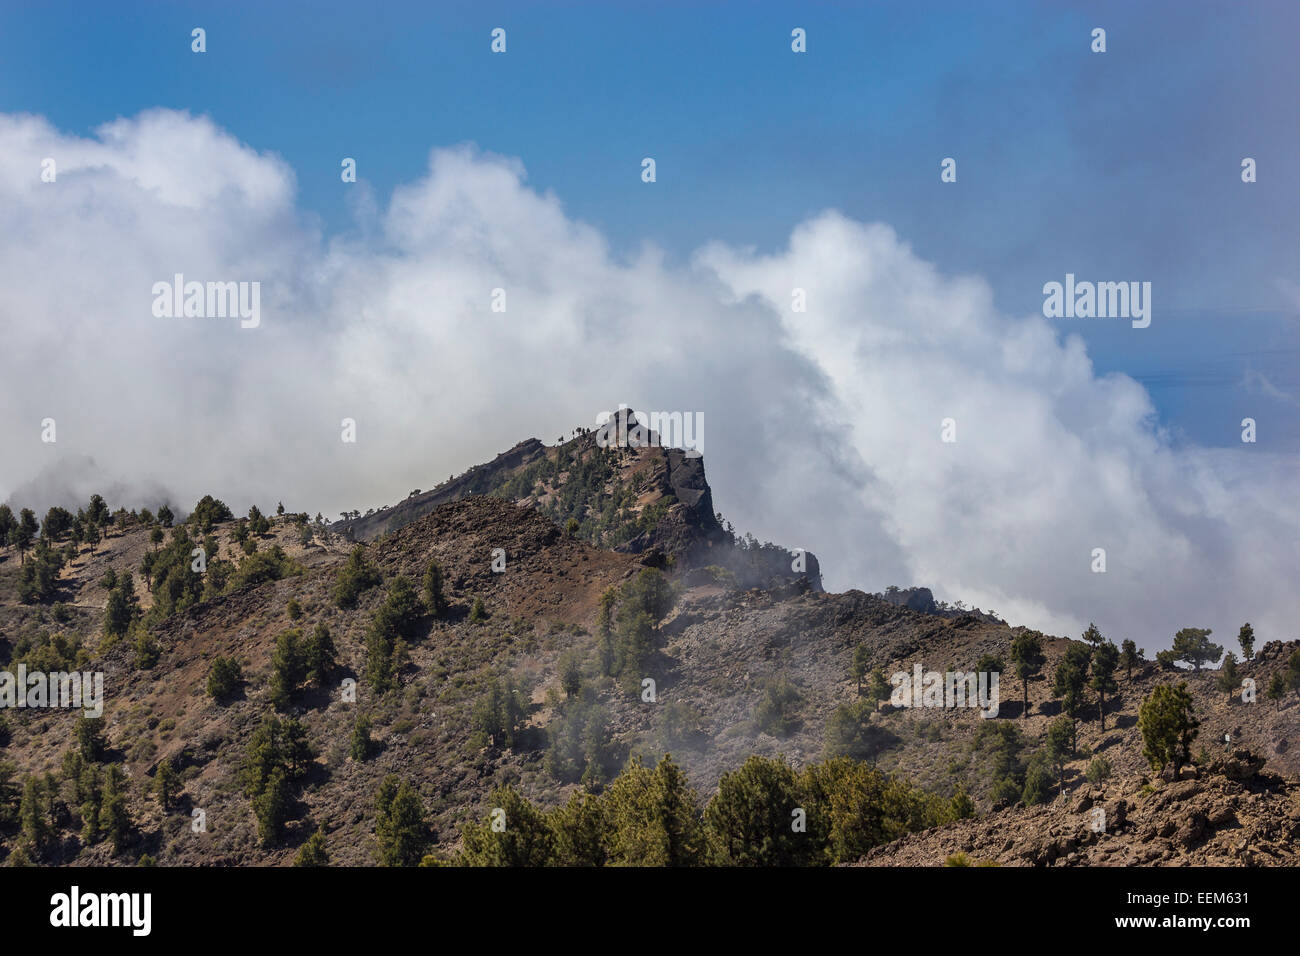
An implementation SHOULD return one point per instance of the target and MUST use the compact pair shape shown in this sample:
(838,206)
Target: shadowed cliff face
(478,480)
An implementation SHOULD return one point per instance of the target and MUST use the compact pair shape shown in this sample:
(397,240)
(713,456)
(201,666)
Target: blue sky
(1116,166)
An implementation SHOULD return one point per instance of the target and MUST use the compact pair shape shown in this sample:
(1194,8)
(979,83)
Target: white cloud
(822,427)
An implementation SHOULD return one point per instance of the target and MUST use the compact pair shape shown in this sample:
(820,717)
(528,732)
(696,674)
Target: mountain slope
(737,671)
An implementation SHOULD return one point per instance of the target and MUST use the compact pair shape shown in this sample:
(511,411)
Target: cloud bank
(823,426)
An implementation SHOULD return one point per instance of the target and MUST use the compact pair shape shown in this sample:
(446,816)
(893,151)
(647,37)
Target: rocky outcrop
(670,485)
(1226,814)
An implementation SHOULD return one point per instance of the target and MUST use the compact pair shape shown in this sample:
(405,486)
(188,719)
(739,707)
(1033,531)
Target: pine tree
(257,522)
(356,576)
(1246,638)
(90,739)
(167,785)
(1098,770)
(1192,644)
(1070,680)
(114,821)
(97,512)
(1229,679)
(10,792)
(224,678)
(265,754)
(607,650)
(33,816)
(515,833)
(861,665)
(313,852)
(1168,727)
(578,831)
(1027,655)
(272,807)
(1038,780)
(23,533)
(636,644)
(361,746)
(7,524)
(400,827)
(749,819)
(1130,655)
(434,598)
(653,817)
(1276,688)
(880,688)
(319,655)
(118,613)
(1104,661)
(297,749)
(850,732)
(402,608)
(571,676)
(1060,747)
(287,668)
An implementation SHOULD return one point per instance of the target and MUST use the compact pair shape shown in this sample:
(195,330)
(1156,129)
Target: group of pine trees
(1165,718)
(87,796)
(277,759)
(765,813)
(627,624)
(299,660)
(58,538)
(396,622)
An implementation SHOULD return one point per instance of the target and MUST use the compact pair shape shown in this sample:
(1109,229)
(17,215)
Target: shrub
(313,852)
(224,677)
(1098,770)
(850,732)
(499,714)
(356,576)
(361,746)
(777,710)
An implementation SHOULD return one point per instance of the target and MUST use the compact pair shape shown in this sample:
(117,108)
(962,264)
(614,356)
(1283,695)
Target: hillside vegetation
(497,674)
